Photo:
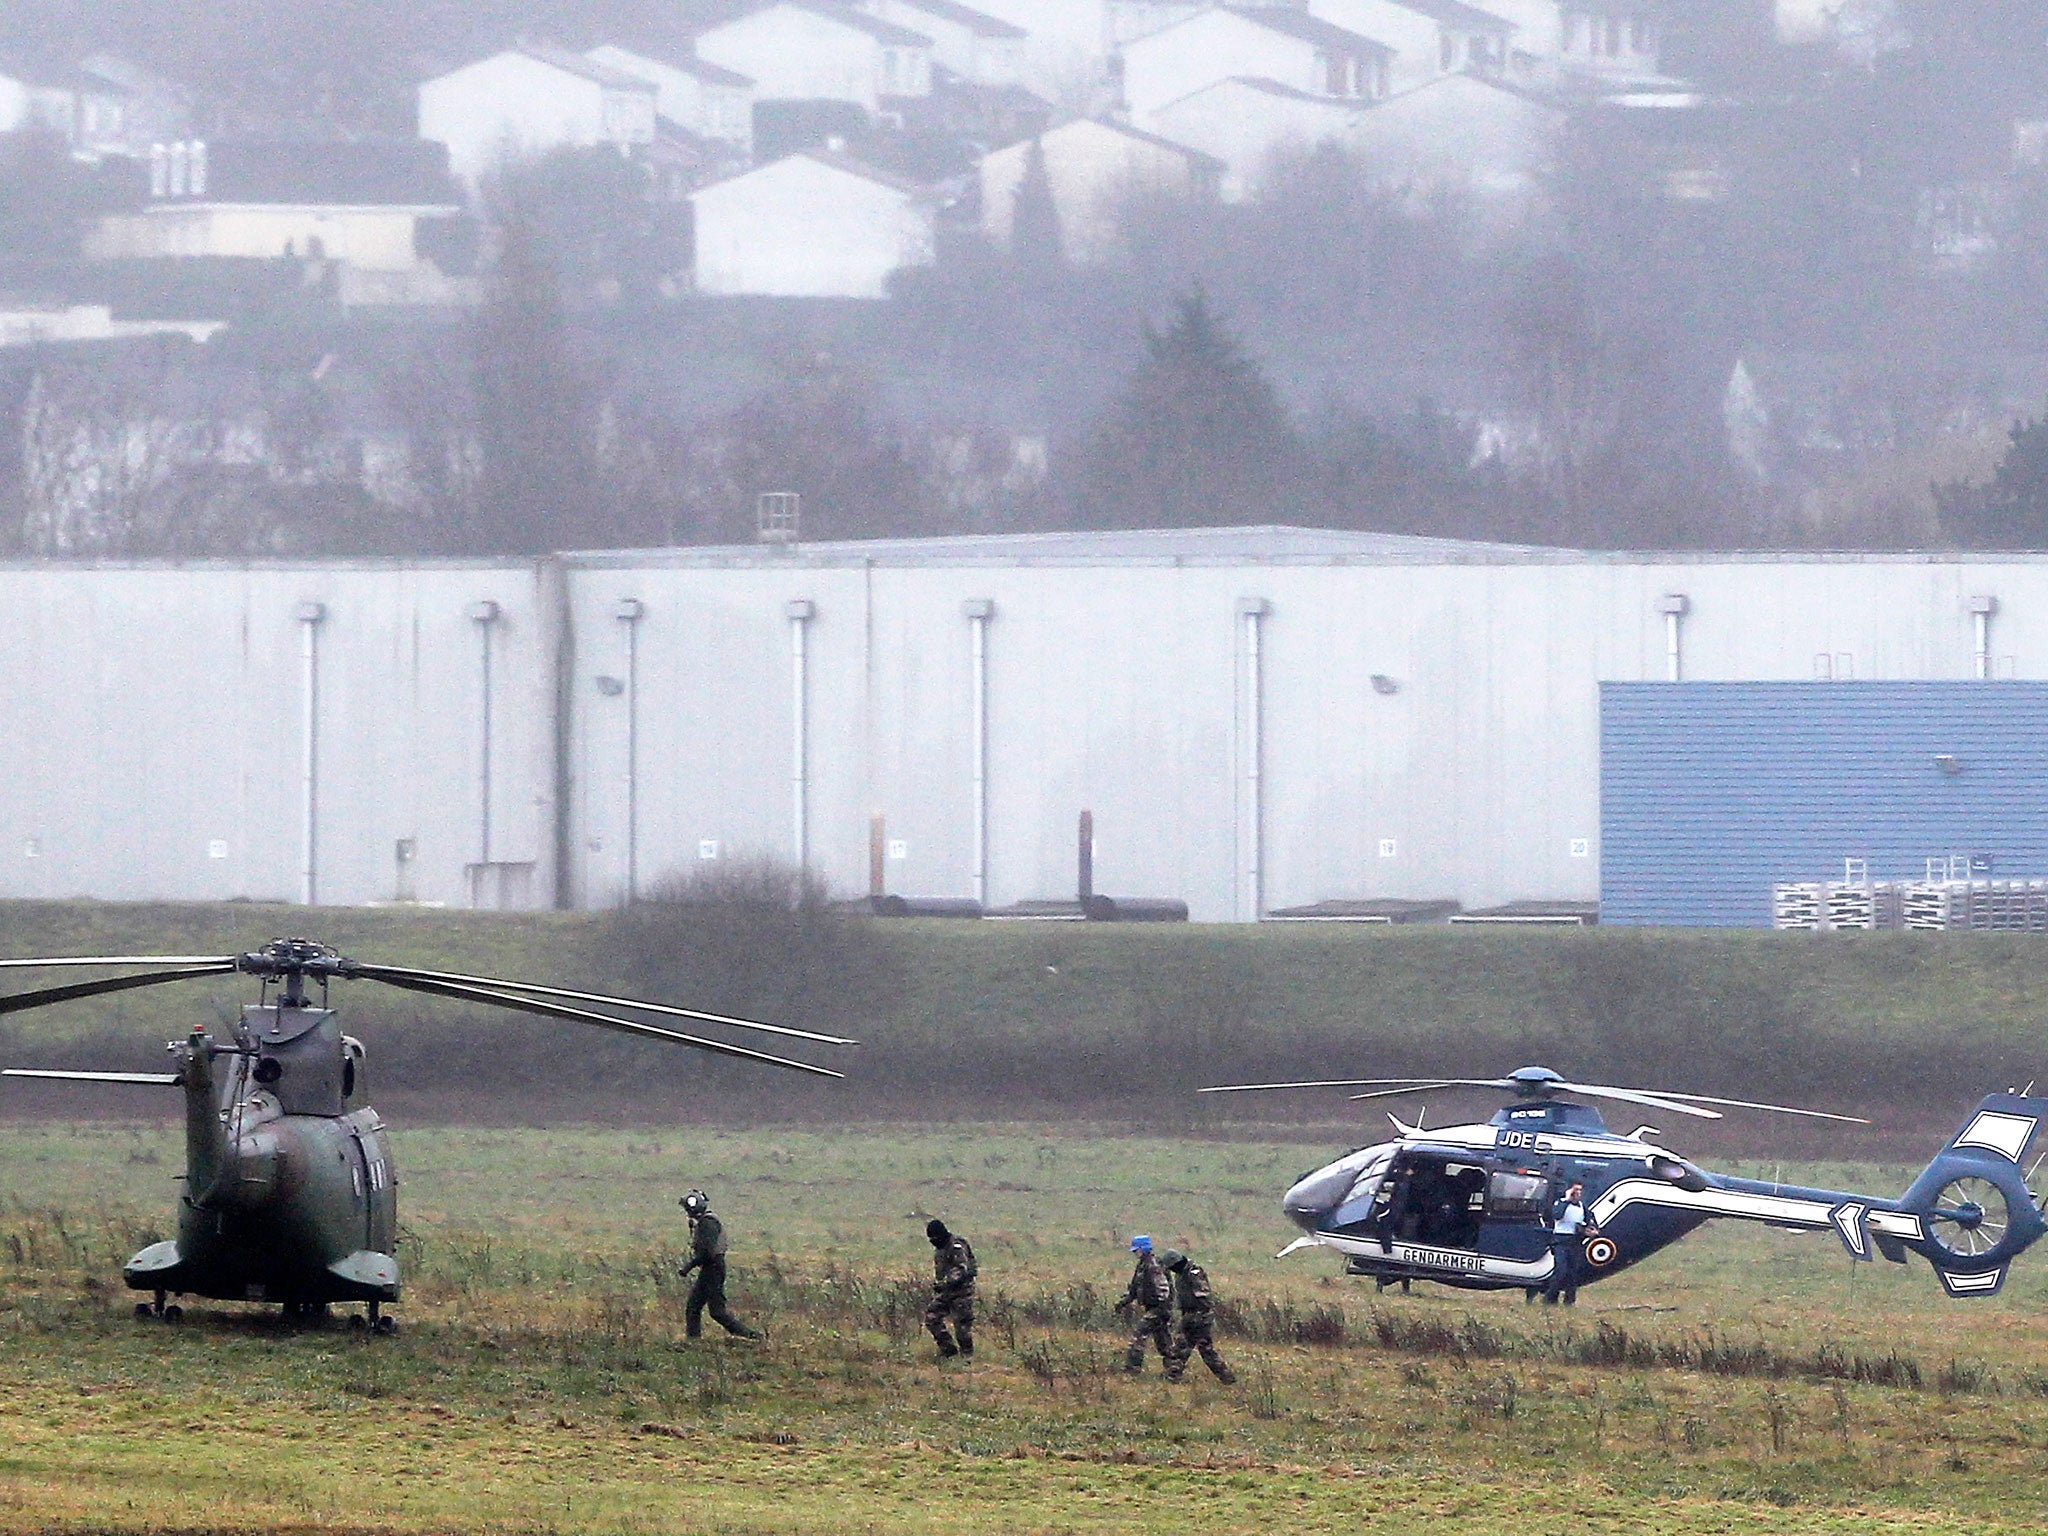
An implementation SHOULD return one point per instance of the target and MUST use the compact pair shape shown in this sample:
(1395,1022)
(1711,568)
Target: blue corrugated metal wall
(1710,792)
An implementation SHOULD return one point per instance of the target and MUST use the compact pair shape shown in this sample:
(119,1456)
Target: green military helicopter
(289,1191)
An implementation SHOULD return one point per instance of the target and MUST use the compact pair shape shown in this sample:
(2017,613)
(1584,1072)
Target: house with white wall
(816,225)
(810,50)
(698,97)
(1429,37)
(1610,37)
(1464,134)
(1248,123)
(1292,48)
(356,207)
(977,47)
(529,100)
(1094,169)
(1065,51)
(88,111)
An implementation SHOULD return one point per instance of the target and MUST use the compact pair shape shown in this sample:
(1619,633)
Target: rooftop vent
(778,517)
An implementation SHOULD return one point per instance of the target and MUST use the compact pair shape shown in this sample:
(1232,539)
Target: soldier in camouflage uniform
(707,1258)
(1152,1294)
(1197,1318)
(952,1291)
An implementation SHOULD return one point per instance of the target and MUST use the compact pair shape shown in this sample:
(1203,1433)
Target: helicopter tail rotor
(1975,1212)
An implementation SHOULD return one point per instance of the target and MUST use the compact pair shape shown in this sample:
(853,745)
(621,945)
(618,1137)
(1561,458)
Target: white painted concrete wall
(1246,126)
(1214,45)
(147,712)
(1093,168)
(374,239)
(710,109)
(150,718)
(512,106)
(803,227)
(795,54)
(1065,55)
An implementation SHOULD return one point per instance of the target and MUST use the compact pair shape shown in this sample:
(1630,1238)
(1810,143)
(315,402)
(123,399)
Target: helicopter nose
(1315,1195)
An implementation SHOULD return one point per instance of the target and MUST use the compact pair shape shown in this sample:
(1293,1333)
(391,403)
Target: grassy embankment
(1111,1023)
(1743,1381)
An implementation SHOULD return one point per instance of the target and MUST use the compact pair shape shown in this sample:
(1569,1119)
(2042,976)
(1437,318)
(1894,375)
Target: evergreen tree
(2010,511)
(1199,438)
(1035,241)
(533,413)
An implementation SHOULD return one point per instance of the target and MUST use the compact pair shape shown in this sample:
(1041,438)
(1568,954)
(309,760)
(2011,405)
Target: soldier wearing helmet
(1152,1294)
(1197,1318)
(952,1291)
(707,1258)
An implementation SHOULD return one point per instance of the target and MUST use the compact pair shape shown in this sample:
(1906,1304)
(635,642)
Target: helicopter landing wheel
(379,1323)
(145,1310)
(174,1313)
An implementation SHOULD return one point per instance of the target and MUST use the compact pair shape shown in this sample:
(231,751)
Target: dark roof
(589,69)
(56,75)
(1311,29)
(389,172)
(979,22)
(881,31)
(682,64)
(1194,155)
(1458,14)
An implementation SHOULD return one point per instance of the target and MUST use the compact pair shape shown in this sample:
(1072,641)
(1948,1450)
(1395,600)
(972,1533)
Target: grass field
(539,1382)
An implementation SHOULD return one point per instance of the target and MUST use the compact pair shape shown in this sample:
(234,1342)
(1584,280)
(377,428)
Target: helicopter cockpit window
(1513,1195)
(1368,1181)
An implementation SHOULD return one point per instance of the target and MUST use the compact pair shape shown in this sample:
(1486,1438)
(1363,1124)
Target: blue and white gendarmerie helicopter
(1472,1205)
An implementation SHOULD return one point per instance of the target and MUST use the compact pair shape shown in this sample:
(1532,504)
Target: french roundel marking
(1600,1251)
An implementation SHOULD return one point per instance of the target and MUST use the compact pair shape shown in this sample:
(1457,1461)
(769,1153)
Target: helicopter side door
(1517,1211)
(1435,1199)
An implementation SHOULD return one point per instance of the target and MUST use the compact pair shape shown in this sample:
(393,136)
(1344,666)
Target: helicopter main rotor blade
(1776,1109)
(18,965)
(1636,1096)
(22,1001)
(1412,1084)
(149,1079)
(1395,1093)
(389,972)
(520,1004)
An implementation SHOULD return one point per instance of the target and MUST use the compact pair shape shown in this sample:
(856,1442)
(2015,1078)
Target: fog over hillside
(504,277)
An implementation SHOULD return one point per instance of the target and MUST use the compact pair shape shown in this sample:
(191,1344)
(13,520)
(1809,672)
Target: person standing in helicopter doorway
(1152,1294)
(1197,1318)
(707,1258)
(952,1291)
(1569,1227)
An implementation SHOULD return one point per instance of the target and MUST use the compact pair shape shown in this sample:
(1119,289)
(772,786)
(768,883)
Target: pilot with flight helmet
(707,1258)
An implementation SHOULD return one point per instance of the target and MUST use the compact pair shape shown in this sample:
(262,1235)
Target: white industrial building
(1257,718)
